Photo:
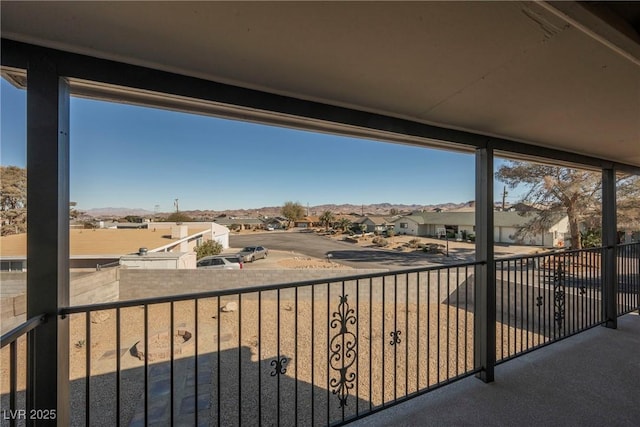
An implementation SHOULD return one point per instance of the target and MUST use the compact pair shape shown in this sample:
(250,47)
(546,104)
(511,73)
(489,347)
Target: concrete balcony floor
(590,379)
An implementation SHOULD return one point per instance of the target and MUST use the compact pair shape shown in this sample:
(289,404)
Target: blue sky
(128,156)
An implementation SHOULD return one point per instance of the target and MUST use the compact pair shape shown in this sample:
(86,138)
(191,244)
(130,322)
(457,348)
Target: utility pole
(504,196)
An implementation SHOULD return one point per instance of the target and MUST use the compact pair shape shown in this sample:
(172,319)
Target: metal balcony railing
(310,353)
(544,298)
(319,352)
(17,341)
(628,273)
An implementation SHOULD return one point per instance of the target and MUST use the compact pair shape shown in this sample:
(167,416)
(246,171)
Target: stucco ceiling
(554,75)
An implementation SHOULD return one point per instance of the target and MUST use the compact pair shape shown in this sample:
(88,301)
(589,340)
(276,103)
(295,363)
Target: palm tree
(344,224)
(327,219)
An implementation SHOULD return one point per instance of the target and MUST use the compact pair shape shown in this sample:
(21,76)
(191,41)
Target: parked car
(252,253)
(221,262)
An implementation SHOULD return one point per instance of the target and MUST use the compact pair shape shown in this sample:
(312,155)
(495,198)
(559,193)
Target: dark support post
(609,241)
(485,279)
(48,237)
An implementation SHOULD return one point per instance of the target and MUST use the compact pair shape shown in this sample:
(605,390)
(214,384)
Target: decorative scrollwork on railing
(344,352)
(583,290)
(559,296)
(539,301)
(279,366)
(395,337)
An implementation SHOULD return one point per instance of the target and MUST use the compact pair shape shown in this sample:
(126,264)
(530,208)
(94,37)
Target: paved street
(351,255)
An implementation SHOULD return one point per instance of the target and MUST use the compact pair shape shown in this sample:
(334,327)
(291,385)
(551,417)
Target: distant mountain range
(117,212)
(380,209)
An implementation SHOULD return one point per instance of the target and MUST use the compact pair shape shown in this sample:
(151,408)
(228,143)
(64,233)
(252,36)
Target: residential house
(91,248)
(308,222)
(461,224)
(241,223)
(375,224)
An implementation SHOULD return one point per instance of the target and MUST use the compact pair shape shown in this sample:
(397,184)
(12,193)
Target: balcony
(588,379)
(333,351)
(542,81)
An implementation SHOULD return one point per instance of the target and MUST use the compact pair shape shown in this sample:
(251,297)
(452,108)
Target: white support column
(48,236)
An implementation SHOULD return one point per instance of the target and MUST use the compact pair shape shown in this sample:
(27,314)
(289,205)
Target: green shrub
(591,239)
(210,247)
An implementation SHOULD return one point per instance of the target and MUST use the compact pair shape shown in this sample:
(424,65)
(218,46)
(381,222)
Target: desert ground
(268,359)
(311,356)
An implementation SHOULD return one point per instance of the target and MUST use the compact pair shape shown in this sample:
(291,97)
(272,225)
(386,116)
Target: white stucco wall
(160,261)
(411,230)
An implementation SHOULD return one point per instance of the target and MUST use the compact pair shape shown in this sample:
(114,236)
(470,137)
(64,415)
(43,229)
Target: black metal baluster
(328,353)
(343,353)
(592,286)
(448,321)
(13,366)
(218,376)
(577,277)
(525,283)
(296,355)
(552,322)
(508,309)
(278,357)
(418,331)
(357,399)
(466,314)
(428,329)
(572,282)
(406,328)
(515,264)
(370,342)
(384,289)
(566,319)
(395,328)
(118,355)
(438,342)
(313,355)
(539,298)
(240,399)
(146,365)
(501,263)
(87,336)
(458,319)
(259,358)
(195,369)
(171,360)
(636,252)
